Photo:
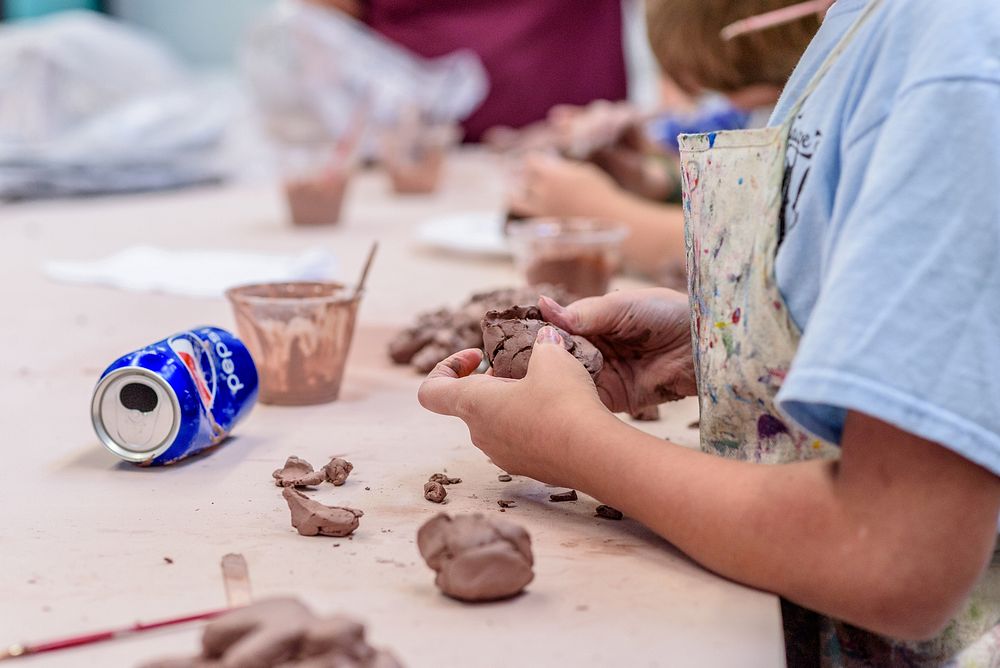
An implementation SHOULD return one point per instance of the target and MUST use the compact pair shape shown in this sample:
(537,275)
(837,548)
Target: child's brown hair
(685,36)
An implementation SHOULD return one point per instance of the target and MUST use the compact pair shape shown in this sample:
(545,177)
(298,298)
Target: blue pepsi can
(174,398)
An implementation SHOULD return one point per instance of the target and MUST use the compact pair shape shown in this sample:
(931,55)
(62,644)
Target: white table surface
(83,536)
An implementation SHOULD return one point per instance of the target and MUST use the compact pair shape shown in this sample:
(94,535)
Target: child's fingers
(590,316)
(459,365)
(450,389)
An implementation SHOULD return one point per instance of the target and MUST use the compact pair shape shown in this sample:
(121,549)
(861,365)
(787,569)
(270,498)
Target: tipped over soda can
(174,398)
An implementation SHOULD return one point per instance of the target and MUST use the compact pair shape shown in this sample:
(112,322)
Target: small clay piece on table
(507,503)
(477,559)
(608,512)
(298,473)
(648,414)
(434,491)
(337,470)
(442,479)
(509,337)
(503,477)
(282,632)
(312,518)
(563,496)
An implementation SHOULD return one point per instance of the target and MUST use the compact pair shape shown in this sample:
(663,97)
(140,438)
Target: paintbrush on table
(235,577)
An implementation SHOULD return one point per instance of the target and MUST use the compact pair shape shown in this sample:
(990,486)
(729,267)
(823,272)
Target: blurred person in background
(538,53)
(634,178)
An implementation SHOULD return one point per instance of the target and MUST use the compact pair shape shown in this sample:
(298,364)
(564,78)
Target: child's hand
(553,186)
(527,426)
(645,337)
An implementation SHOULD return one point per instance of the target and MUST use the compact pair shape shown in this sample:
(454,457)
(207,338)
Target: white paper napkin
(191,273)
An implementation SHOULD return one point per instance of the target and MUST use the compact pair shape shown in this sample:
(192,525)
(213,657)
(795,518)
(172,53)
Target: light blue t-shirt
(890,259)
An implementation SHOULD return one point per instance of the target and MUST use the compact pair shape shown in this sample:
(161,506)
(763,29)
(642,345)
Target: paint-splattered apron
(744,342)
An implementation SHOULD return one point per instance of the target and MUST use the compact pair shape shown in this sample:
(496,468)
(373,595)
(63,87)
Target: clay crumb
(168,560)
(609,513)
(695,425)
(368,489)
(337,470)
(503,477)
(298,473)
(434,491)
(648,414)
(443,479)
(563,496)
(507,503)
(312,518)
(475,558)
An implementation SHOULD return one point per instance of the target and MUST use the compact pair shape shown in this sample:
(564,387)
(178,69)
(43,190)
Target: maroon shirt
(538,53)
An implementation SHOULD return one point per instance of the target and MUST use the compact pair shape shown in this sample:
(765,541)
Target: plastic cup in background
(581,255)
(414,155)
(299,334)
(316,180)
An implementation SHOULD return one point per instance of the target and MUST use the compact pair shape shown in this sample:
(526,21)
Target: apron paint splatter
(744,342)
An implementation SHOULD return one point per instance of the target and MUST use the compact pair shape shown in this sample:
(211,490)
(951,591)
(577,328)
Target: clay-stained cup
(299,335)
(581,255)
(414,157)
(315,182)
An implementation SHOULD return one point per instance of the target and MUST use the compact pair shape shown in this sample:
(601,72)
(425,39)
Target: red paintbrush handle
(101,636)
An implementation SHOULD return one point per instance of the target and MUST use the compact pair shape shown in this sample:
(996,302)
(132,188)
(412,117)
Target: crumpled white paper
(191,273)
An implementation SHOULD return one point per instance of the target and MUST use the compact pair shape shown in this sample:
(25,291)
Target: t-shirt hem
(805,390)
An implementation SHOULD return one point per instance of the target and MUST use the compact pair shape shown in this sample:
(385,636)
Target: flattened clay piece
(434,491)
(563,496)
(312,518)
(283,633)
(608,512)
(443,479)
(506,503)
(648,414)
(477,559)
(509,337)
(298,473)
(504,477)
(337,470)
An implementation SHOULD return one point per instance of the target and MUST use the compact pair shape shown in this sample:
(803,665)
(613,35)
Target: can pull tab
(137,417)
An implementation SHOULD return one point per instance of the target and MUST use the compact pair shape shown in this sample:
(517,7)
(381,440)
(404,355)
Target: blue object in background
(26,9)
(716,115)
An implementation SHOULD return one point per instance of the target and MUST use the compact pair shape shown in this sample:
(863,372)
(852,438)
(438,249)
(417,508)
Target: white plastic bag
(311,68)
(89,105)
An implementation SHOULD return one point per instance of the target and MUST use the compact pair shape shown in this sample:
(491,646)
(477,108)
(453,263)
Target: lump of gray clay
(298,473)
(282,632)
(477,559)
(312,518)
(509,336)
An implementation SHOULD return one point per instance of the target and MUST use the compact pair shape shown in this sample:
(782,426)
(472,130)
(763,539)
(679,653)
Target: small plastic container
(414,156)
(315,181)
(581,255)
(299,335)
